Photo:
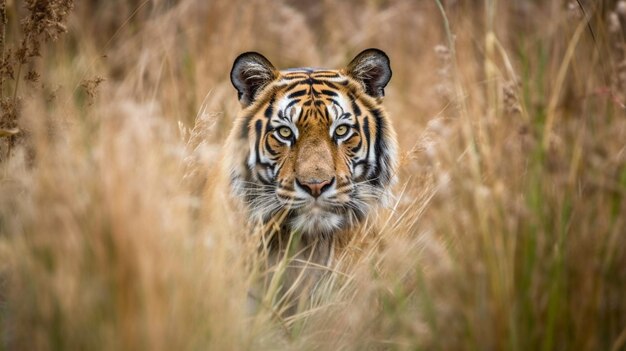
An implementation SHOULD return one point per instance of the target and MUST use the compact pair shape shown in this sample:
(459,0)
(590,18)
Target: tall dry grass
(508,230)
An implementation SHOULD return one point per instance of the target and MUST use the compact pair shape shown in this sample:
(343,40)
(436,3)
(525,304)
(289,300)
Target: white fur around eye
(358,171)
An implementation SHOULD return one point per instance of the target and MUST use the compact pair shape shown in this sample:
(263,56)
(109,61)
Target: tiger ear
(251,72)
(372,69)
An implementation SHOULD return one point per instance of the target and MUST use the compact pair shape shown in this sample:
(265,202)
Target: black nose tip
(315,187)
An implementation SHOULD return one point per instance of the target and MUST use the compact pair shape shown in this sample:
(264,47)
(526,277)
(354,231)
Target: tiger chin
(312,151)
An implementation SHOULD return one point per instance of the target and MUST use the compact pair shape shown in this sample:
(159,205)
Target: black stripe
(312,81)
(356,108)
(305,115)
(345,115)
(329,92)
(296,94)
(258,127)
(352,136)
(335,102)
(291,87)
(325,75)
(268,148)
(292,103)
(277,169)
(358,146)
(367,136)
(263,180)
(331,85)
(382,176)
(270,108)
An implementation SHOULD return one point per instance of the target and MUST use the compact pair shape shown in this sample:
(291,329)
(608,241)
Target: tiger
(312,151)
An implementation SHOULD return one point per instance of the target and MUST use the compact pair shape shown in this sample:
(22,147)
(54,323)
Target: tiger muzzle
(315,188)
(315,171)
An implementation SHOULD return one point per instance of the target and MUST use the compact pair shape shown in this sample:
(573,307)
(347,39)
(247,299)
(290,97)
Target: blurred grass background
(508,232)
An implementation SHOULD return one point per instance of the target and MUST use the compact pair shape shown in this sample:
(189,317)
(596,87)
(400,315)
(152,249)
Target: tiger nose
(315,187)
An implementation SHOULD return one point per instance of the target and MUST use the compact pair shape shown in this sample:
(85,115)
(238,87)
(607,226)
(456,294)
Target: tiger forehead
(307,85)
(312,95)
(311,76)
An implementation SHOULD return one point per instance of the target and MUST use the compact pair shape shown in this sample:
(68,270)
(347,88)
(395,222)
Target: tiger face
(312,147)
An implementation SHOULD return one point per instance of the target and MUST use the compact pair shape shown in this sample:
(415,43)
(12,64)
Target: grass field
(508,231)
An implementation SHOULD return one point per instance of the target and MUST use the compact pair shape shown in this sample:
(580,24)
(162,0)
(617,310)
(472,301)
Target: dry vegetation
(509,230)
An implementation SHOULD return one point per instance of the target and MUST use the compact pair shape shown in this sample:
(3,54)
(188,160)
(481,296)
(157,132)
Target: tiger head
(312,146)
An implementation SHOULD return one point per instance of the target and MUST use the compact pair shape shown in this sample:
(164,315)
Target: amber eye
(341,130)
(285,132)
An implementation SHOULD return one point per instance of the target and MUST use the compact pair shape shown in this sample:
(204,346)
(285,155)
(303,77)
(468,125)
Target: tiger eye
(341,130)
(284,132)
